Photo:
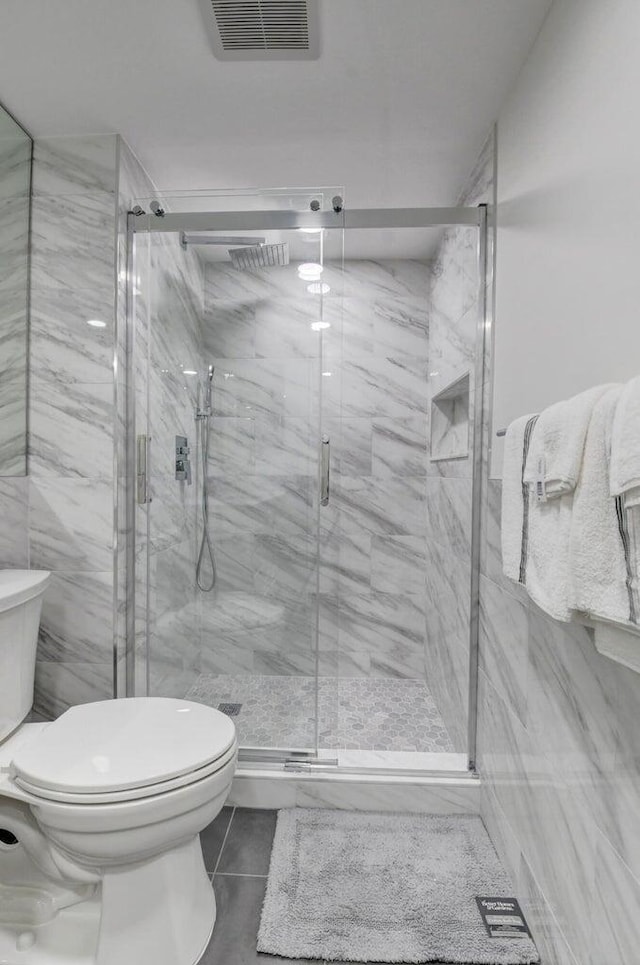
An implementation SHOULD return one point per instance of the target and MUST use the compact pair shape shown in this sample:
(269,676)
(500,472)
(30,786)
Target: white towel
(514,496)
(547,566)
(600,566)
(558,443)
(624,472)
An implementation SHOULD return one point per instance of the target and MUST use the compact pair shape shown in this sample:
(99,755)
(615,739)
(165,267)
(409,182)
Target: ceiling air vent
(263,29)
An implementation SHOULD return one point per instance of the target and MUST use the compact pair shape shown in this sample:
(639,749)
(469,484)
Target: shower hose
(206,549)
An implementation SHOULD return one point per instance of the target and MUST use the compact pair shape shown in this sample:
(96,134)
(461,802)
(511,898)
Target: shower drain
(231,710)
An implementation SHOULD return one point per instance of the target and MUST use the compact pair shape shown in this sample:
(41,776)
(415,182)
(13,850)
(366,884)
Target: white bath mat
(351,886)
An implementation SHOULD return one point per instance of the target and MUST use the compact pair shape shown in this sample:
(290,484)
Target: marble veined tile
(77,618)
(71,524)
(59,686)
(14,548)
(504,645)
(385,278)
(285,446)
(400,327)
(231,445)
(84,164)
(550,942)
(573,710)
(556,831)
(62,345)
(71,429)
(229,330)
(389,506)
(398,565)
(72,242)
(615,931)
(399,446)
(375,621)
(351,442)
(283,329)
(384,387)
(448,505)
(285,566)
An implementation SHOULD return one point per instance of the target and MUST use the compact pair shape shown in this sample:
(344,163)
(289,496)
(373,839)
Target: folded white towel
(514,497)
(600,542)
(547,568)
(555,453)
(624,472)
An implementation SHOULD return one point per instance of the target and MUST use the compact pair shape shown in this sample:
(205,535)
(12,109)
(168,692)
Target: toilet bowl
(100,815)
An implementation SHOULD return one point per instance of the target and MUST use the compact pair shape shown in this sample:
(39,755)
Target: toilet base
(159,912)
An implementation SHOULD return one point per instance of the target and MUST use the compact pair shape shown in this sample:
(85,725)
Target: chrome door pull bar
(324,471)
(141,477)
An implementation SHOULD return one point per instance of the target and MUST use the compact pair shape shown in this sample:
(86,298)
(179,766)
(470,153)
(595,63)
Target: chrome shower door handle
(141,470)
(325,457)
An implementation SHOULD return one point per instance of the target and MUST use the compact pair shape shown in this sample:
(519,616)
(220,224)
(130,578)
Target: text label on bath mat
(503,918)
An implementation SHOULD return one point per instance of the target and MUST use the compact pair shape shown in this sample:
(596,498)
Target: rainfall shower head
(259,256)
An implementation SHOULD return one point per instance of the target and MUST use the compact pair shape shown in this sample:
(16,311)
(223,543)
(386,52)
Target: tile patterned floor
(359,713)
(236,849)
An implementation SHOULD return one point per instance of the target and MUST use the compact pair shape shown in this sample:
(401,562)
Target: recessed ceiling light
(96,323)
(318,288)
(310,271)
(318,326)
(326,374)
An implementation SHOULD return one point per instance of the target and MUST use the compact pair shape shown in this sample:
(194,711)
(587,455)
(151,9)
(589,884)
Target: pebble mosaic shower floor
(359,713)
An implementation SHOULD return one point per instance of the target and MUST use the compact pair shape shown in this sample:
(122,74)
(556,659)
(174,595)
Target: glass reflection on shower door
(250,644)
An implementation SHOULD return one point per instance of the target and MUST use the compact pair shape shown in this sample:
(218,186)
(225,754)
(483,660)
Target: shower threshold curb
(255,787)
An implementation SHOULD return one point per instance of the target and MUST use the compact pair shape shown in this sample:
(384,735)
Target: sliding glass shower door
(230,335)
(308,430)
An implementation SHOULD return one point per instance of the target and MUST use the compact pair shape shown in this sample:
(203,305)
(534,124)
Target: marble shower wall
(71,499)
(15,173)
(453,301)
(270,395)
(169,292)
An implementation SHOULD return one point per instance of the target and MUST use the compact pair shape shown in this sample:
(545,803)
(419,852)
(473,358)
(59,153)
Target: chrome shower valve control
(183,463)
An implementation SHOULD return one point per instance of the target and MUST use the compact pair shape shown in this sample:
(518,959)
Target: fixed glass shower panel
(395,558)
(230,337)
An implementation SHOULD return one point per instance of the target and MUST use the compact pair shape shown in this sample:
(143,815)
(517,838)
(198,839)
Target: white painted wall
(568,249)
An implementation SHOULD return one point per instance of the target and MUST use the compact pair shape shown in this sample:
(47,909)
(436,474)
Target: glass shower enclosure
(299,407)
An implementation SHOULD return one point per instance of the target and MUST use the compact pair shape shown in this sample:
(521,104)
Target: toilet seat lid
(113,745)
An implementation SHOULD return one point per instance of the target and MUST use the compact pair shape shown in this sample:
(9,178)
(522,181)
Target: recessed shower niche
(450,421)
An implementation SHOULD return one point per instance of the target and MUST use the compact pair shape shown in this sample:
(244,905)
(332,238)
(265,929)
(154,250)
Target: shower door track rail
(290,220)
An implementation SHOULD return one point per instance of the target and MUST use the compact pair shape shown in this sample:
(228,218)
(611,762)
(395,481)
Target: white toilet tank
(21,593)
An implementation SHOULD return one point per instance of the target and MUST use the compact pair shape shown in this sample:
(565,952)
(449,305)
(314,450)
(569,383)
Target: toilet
(100,814)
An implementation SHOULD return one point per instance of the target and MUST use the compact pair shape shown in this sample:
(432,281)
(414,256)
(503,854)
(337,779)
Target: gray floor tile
(239,903)
(247,849)
(212,837)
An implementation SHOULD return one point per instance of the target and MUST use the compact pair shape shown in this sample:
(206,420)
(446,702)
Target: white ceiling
(395,110)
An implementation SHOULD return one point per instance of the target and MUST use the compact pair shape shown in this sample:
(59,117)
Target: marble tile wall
(453,299)
(557,751)
(70,501)
(372,402)
(558,756)
(169,289)
(15,163)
